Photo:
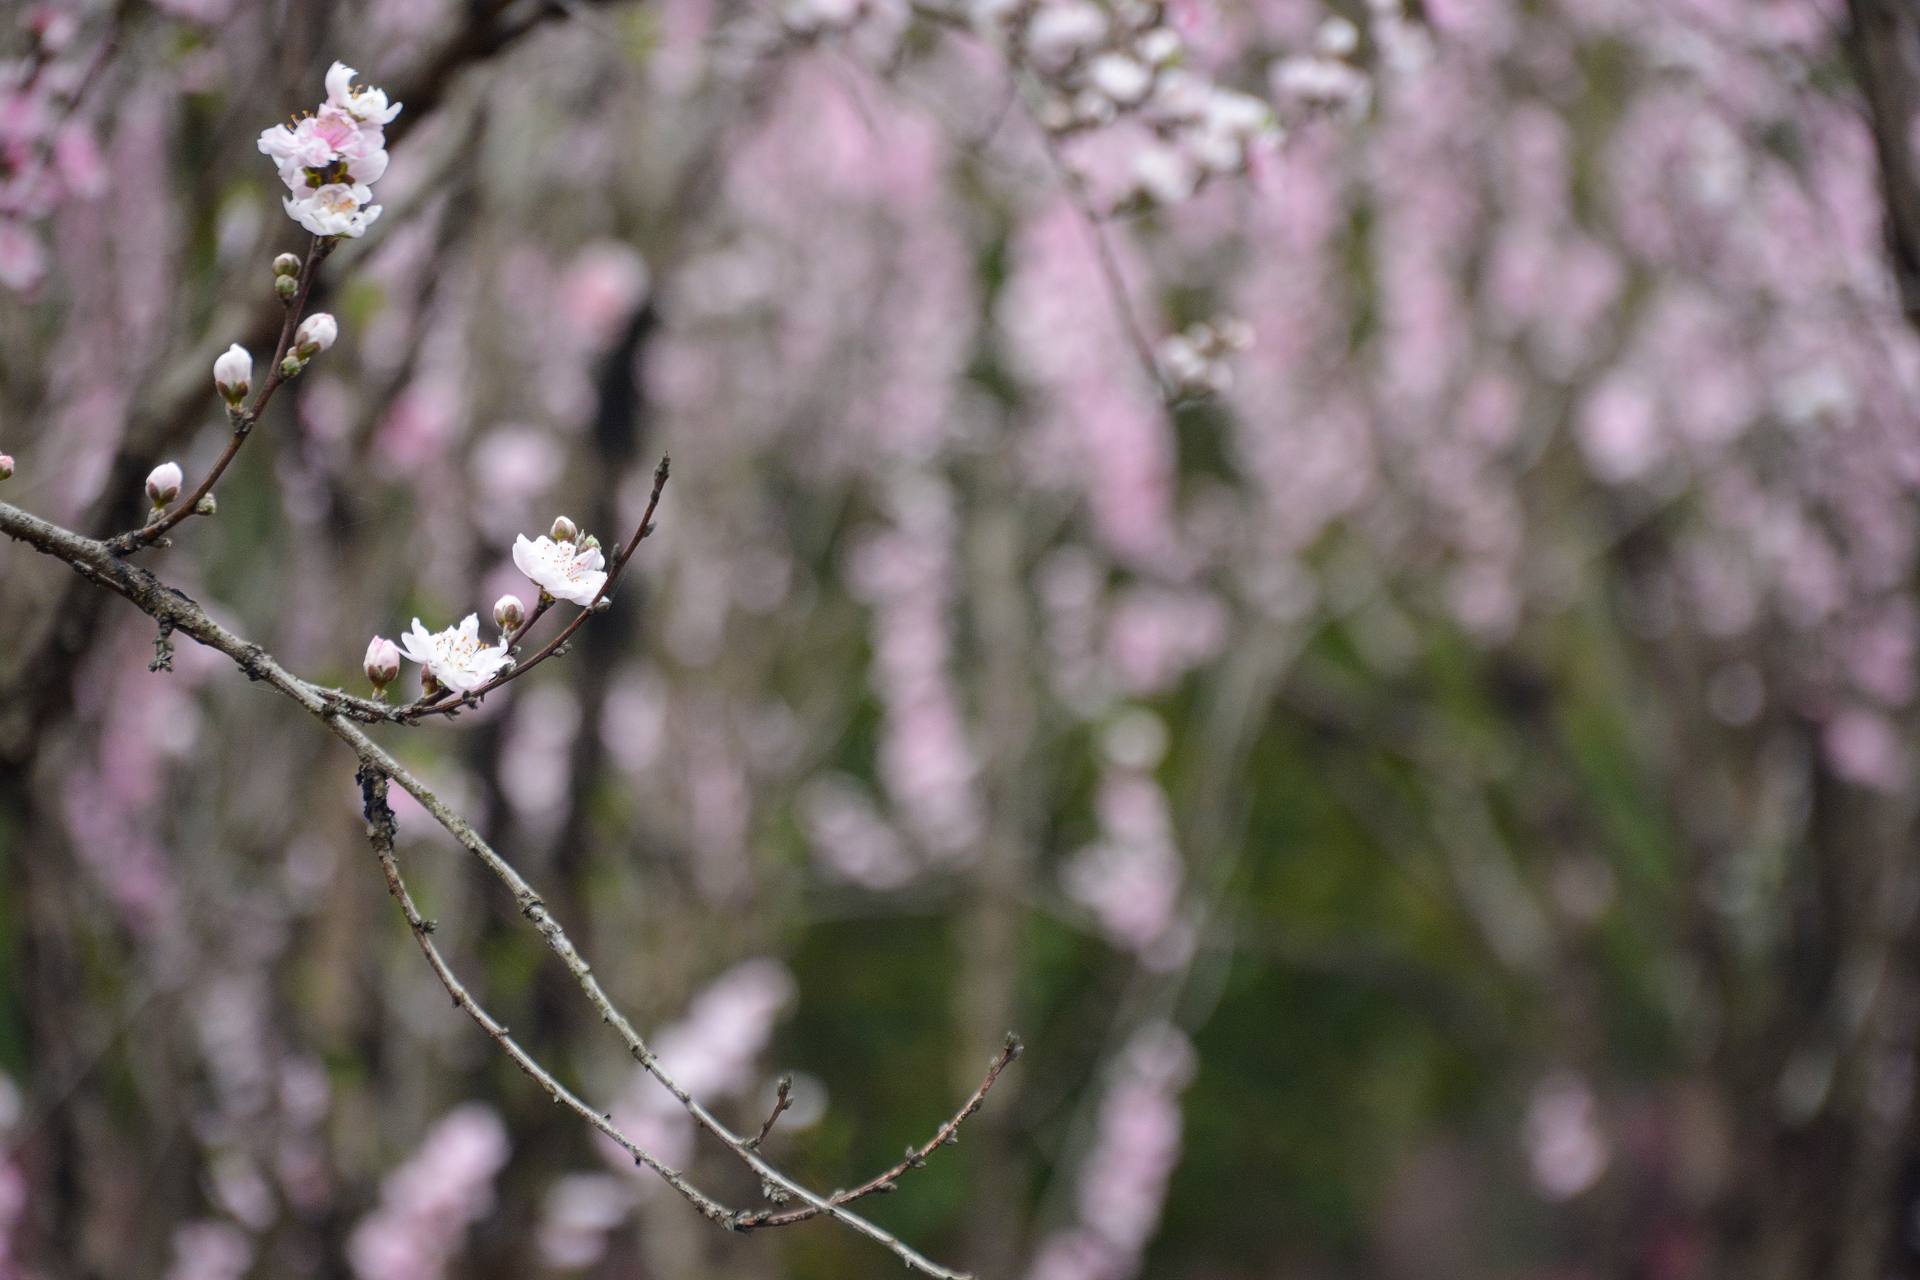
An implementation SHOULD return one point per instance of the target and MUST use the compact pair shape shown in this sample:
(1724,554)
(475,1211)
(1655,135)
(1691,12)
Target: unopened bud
(233,374)
(315,334)
(509,613)
(6,466)
(206,506)
(286,287)
(382,663)
(286,264)
(564,530)
(291,366)
(163,484)
(589,543)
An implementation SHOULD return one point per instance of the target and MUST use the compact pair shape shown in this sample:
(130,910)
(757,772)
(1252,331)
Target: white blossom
(315,334)
(1123,79)
(334,210)
(455,657)
(233,374)
(1159,46)
(163,483)
(1164,173)
(564,570)
(363,102)
(1060,33)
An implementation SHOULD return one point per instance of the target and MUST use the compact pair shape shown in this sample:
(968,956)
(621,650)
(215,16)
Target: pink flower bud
(383,662)
(315,334)
(233,374)
(6,466)
(509,613)
(163,483)
(564,530)
(286,265)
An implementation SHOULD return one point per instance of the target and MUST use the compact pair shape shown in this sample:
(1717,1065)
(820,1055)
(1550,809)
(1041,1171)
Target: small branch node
(163,647)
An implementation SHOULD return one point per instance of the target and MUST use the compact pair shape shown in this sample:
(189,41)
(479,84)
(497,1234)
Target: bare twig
(915,1158)
(782,1099)
(381,830)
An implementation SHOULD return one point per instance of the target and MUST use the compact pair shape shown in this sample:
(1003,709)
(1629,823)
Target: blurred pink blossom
(428,1202)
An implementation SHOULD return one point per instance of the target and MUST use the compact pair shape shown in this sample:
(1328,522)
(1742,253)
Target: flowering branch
(178,612)
(243,419)
(441,704)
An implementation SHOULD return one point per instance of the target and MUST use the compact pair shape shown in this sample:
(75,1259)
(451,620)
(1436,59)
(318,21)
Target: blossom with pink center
(330,158)
(455,657)
(564,570)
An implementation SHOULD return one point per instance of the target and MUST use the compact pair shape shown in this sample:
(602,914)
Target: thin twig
(916,1157)
(782,1099)
(381,830)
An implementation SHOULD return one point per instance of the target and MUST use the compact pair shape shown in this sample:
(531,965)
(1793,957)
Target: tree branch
(96,562)
(381,830)
(915,1158)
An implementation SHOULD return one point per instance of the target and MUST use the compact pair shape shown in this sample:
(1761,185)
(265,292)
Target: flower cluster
(1099,66)
(564,563)
(1326,79)
(331,158)
(1196,360)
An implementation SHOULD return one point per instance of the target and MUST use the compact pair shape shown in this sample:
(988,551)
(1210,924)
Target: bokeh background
(1440,803)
